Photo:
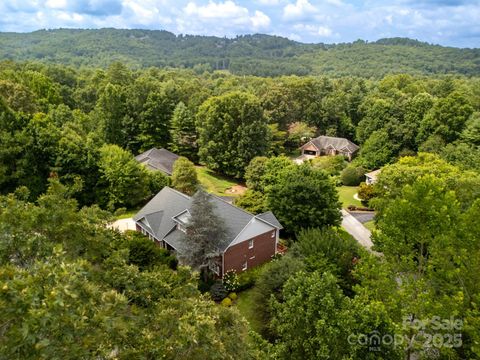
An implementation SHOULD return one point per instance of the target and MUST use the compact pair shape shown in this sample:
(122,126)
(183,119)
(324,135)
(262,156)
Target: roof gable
(158,159)
(168,207)
(325,142)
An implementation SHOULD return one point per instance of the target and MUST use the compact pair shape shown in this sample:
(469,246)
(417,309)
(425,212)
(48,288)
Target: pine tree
(182,132)
(204,233)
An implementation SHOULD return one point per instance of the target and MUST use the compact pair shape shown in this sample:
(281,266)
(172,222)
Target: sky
(445,22)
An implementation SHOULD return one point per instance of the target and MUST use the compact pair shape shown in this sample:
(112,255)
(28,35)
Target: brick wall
(262,251)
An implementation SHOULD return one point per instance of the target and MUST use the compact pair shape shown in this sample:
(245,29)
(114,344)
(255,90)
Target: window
(250,244)
(244,267)
(273,233)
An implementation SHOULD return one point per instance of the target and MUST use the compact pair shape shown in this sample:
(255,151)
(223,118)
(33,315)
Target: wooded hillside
(260,55)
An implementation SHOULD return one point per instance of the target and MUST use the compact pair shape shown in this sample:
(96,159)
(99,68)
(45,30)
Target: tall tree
(184,176)
(232,131)
(111,112)
(123,181)
(303,197)
(204,232)
(182,132)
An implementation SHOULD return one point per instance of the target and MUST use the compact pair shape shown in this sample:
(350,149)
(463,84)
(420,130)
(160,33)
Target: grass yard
(246,307)
(215,183)
(127,214)
(345,194)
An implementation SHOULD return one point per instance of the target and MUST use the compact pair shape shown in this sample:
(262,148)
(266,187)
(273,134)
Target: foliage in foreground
(71,289)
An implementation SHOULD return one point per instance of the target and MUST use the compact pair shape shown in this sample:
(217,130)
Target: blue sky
(446,22)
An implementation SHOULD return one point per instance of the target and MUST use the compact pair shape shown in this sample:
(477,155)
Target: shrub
(205,282)
(352,176)
(333,165)
(232,296)
(230,280)
(366,193)
(157,181)
(226,302)
(358,208)
(144,253)
(218,291)
(247,279)
(270,283)
(252,201)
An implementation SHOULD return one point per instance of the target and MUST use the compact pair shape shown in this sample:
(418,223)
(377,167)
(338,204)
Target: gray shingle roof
(158,159)
(159,211)
(158,214)
(323,142)
(270,218)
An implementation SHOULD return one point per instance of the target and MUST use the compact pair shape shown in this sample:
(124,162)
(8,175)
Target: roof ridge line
(178,192)
(226,202)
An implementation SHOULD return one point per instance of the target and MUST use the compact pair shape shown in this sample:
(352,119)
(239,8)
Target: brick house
(328,145)
(250,241)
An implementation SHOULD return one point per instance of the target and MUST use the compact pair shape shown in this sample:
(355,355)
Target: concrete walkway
(123,225)
(357,230)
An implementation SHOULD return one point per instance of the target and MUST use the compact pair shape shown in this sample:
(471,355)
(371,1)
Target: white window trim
(245,265)
(250,244)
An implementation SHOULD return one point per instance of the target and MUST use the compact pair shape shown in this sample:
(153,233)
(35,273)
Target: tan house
(329,146)
(371,177)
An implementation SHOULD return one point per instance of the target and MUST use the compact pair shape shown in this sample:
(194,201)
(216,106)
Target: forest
(73,288)
(259,55)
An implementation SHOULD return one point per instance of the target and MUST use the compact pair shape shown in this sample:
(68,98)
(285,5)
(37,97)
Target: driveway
(357,230)
(123,225)
(363,216)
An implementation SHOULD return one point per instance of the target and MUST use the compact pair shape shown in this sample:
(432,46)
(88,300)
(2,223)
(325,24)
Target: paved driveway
(363,216)
(357,230)
(123,225)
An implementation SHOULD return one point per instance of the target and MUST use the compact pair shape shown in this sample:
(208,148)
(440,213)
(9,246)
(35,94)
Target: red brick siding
(262,251)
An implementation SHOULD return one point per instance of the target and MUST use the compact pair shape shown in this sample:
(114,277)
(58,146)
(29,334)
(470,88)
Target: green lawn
(246,307)
(127,214)
(345,194)
(215,183)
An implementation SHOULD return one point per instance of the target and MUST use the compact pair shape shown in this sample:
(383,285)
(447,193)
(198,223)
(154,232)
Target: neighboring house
(250,240)
(371,177)
(158,159)
(328,145)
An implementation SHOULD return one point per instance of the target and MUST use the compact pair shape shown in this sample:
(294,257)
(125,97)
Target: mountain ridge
(256,54)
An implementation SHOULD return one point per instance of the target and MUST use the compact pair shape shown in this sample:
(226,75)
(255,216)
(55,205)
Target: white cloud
(213,10)
(228,17)
(314,30)
(269,2)
(260,20)
(56,4)
(325,31)
(298,10)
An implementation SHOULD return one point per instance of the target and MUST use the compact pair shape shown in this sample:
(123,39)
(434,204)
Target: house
(158,160)
(250,240)
(371,177)
(328,145)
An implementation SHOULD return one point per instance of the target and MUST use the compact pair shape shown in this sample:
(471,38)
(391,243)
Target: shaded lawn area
(128,214)
(215,183)
(345,194)
(246,307)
